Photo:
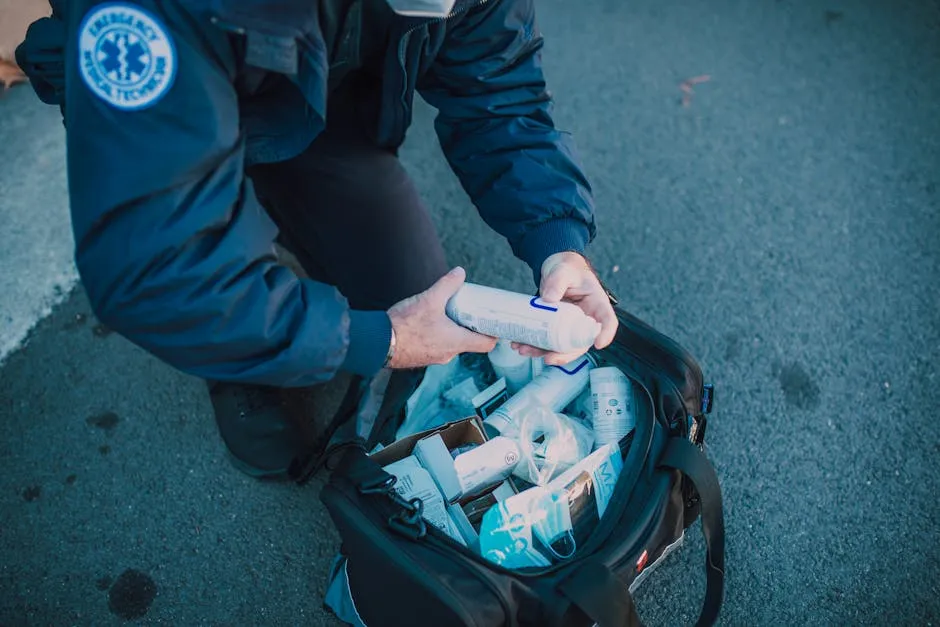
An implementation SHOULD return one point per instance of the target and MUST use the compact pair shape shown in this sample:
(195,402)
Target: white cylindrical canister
(555,388)
(613,405)
(560,327)
(510,365)
(486,465)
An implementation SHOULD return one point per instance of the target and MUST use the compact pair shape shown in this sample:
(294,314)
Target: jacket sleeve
(495,128)
(173,248)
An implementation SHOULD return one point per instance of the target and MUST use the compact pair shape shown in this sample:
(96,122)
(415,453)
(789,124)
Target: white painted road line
(37,270)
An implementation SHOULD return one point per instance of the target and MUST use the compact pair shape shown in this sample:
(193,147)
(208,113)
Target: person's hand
(568,276)
(424,335)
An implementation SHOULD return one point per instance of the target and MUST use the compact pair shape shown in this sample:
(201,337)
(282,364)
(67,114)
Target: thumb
(447,285)
(556,283)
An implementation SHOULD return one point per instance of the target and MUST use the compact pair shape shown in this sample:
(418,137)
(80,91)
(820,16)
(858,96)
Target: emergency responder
(200,132)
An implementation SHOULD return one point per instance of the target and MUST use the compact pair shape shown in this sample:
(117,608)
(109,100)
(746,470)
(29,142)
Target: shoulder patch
(126,56)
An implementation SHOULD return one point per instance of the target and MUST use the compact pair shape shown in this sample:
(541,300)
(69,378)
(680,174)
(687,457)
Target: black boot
(258,425)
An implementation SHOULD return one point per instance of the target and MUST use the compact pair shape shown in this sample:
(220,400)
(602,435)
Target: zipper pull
(697,430)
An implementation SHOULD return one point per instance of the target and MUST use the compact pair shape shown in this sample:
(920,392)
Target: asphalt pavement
(767,177)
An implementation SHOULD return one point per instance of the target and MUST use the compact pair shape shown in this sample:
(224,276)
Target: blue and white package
(507,535)
(546,523)
(414,481)
(554,530)
(602,467)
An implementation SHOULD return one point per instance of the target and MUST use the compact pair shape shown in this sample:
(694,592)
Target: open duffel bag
(397,570)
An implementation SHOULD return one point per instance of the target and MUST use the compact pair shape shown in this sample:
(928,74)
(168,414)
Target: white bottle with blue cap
(560,327)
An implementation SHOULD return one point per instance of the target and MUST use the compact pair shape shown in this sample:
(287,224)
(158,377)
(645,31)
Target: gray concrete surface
(784,226)
(35,231)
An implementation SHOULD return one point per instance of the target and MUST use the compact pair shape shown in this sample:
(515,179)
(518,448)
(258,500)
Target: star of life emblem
(126,56)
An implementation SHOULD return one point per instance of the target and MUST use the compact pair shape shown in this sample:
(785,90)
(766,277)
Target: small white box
(503,491)
(433,455)
(415,482)
(462,523)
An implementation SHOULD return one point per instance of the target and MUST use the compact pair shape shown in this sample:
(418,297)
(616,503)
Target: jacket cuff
(370,333)
(550,237)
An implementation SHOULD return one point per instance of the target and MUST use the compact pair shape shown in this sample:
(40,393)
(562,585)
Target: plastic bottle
(560,327)
(486,465)
(555,388)
(510,365)
(613,405)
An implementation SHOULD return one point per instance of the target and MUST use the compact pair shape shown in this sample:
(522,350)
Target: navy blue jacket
(173,248)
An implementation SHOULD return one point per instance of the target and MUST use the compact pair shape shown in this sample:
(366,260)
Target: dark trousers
(352,217)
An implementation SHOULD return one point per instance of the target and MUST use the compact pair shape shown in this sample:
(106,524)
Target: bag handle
(604,598)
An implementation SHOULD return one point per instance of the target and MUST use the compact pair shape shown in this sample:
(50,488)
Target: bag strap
(604,598)
(689,459)
(304,467)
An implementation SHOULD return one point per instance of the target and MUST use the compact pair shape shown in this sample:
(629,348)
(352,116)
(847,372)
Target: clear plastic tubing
(560,327)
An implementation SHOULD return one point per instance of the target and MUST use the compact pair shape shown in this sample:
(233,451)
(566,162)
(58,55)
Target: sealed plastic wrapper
(507,536)
(589,485)
(460,397)
(445,395)
(486,465)
(549,443)
(546,524)
(425,407)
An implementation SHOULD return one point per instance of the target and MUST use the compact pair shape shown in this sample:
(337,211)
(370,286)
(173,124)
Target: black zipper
(401,56)
(407,33)
(622,492)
